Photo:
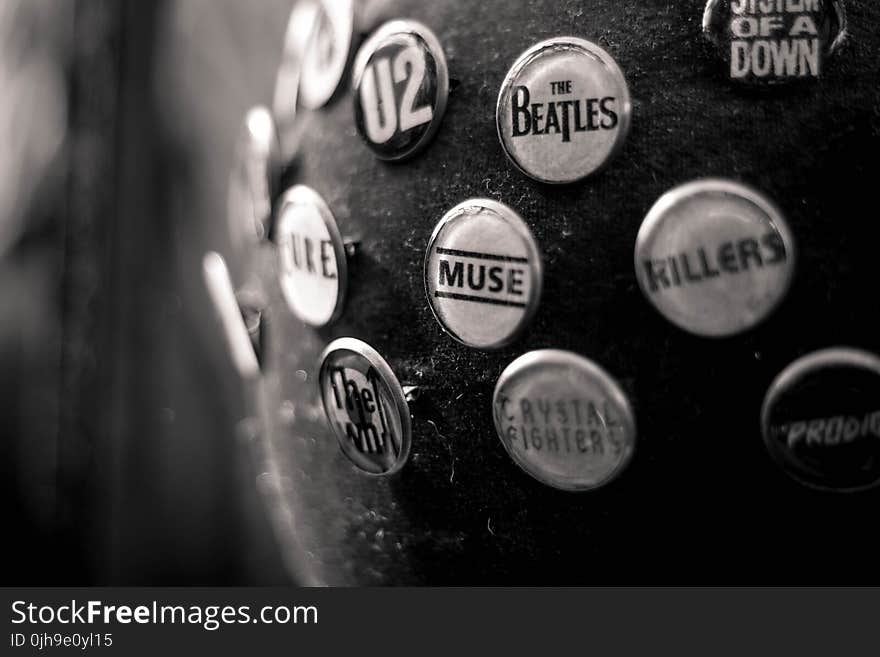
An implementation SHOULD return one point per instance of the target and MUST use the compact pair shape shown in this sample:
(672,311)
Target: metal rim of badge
(429,43)
(396,394)
(568,363)
(786,384)
(610,67)
(253,178)
(517,226)
(333,26)
(840,16)
(303,196)
(691,307)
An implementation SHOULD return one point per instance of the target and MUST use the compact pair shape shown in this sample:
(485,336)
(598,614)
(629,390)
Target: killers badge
(563,111)
(766,42)
(400,88)
(714,257)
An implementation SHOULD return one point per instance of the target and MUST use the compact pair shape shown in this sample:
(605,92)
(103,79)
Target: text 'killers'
(714,257)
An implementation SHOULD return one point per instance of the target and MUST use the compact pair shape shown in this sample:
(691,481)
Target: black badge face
(401,86)
(821,420)
(770,42)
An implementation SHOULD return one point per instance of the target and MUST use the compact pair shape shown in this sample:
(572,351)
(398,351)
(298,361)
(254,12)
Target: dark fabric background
(702,502)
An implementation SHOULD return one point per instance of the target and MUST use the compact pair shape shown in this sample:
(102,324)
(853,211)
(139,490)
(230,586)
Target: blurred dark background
(118,119)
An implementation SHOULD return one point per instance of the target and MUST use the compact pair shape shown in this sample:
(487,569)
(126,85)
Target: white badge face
(252,179)
(365,406)
(564,420)
(563,111)
(483,274)
(311,257)
(326,56)
(714,257)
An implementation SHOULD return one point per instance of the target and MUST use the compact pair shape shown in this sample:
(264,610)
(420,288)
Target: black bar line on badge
(480,256)
(467,297)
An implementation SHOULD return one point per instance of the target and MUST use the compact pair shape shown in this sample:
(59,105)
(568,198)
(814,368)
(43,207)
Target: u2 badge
(401,84)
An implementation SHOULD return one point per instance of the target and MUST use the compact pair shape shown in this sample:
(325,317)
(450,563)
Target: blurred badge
(775,41)
(253,178)
(563,111)
(365,406)
(714,257)
(564,420)
(400,88)
(312,263)
(300,26)
(821,419)
(327,53)
(483,274)
(239,325)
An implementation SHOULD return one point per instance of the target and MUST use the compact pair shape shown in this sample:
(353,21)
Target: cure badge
(365,406)
(563,111)
(821,419)
(564,420)
(714,257)
(326,56)
(767,42)
(313,271)
(483,274)
(401,85)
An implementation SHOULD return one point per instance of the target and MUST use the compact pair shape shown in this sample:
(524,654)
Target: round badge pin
(564,420)
(714,257)
(401,84)
(253,179)
(563,111)
(327,54)
(774,42)
(300,26)
(483,274)
(821,419)
(313,271)
(365,406)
